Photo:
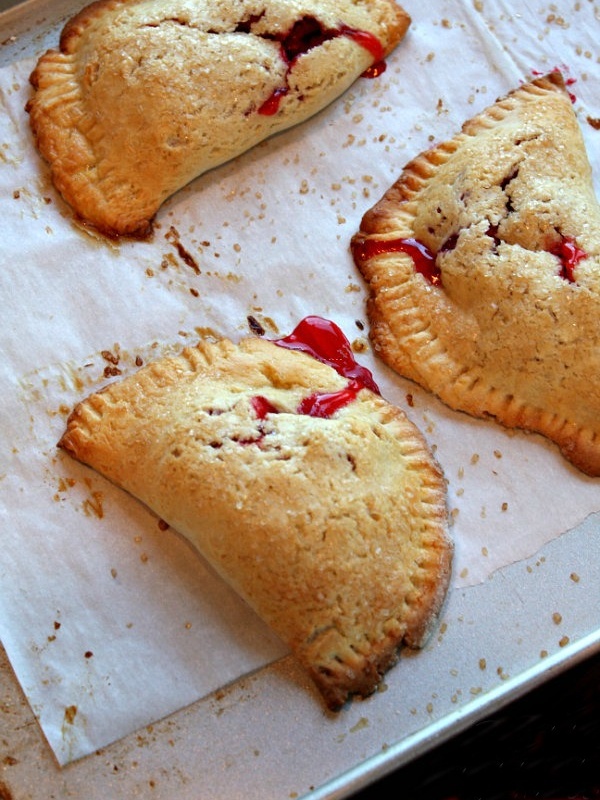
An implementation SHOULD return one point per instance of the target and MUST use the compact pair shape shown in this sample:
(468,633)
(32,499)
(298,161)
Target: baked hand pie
(142,96)
(314,498)
(483,268)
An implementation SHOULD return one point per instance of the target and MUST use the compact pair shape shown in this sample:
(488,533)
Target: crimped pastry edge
(63,136)
(338,671)
(459,388)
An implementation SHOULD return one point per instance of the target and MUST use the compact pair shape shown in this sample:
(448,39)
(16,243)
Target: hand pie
(314,498)
(483,265)
(144,95)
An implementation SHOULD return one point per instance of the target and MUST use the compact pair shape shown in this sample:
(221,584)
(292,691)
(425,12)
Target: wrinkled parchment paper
(110,621)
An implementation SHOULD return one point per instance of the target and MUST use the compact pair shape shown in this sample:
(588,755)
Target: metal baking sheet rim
(24,29)
(435,735)
(42,778)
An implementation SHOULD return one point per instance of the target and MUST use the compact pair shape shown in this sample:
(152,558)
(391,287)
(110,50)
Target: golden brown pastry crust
(502,207)
(142,96)
(334,530)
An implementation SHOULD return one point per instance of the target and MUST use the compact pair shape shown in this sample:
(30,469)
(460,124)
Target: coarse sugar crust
(507,210)
(143,96)
(335,530)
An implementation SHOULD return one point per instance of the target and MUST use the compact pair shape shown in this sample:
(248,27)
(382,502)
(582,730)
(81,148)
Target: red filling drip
(364,39)
(272,103)
(423,258)
(375,70)
(323,340)
(568,81)
(307,33)
(325,404)
(262,407)
(570,255)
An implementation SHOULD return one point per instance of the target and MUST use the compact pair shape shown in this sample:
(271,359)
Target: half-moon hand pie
(483,268)
(142,96)
(319,502)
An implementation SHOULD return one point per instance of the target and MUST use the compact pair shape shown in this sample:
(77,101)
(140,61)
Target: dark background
(544,745)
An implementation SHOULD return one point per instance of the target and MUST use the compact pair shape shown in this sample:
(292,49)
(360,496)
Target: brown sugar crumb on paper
(93,505)
(172,236)
(553,19)
(360,345)
(112,369)
(255,326)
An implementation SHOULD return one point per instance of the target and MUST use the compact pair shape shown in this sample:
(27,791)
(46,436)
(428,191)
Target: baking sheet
(108,622)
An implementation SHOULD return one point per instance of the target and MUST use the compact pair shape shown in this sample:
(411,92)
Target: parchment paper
(110,621)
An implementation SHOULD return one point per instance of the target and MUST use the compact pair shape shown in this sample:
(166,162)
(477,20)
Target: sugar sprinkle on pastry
(318,501)
(143,96)
(483,267)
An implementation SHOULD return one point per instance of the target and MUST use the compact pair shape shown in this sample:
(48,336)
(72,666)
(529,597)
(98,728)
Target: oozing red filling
(424,259)
(323,340)
(364,39)
(262,407)
(325,404)
(307,33)
(570,255)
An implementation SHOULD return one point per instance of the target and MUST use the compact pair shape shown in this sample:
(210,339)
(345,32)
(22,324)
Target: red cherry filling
(323,340)
(570,255)
(423,258)
(425,263)
(325,404)
(307,33)
(262,407)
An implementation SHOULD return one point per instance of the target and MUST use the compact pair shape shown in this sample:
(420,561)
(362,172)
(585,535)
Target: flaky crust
(333,530)
(142,96)
(505,334)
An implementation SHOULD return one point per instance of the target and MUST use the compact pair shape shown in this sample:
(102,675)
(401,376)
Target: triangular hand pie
(483,265)
(144,95)
(315,499)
